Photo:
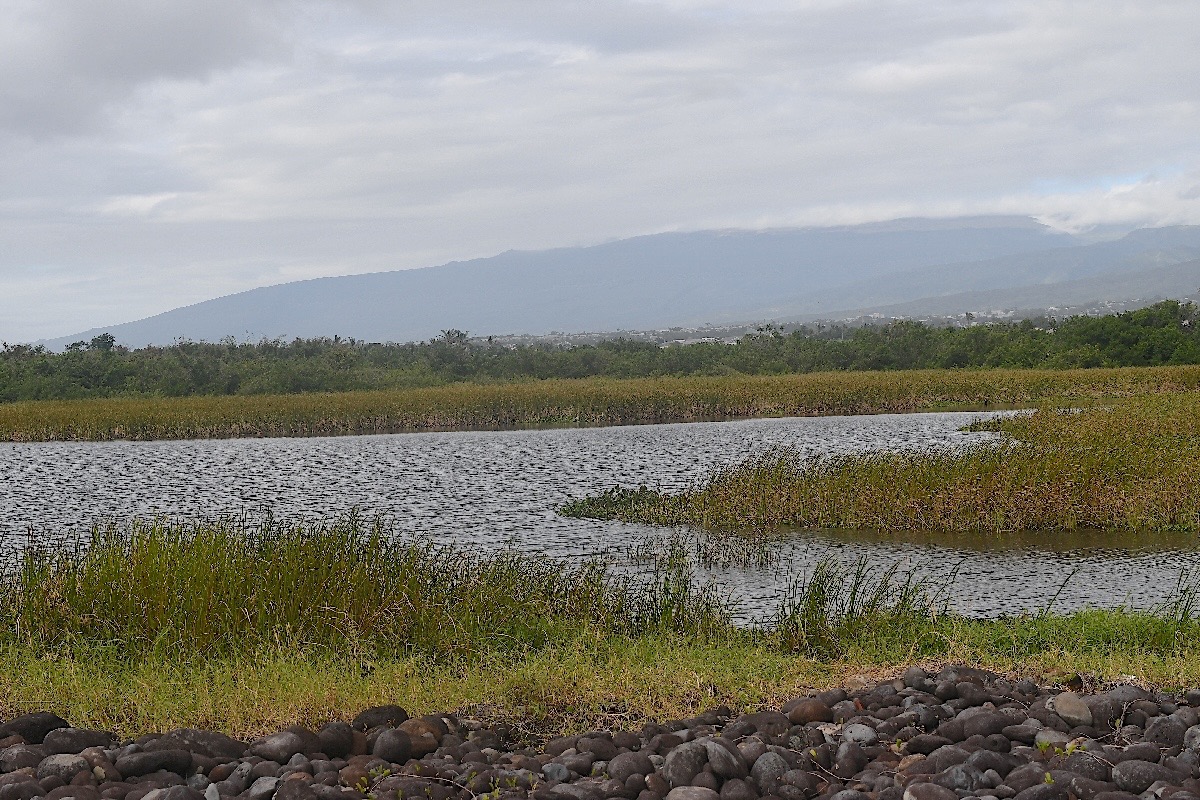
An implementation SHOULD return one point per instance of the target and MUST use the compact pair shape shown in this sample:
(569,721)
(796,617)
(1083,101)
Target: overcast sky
(154,154)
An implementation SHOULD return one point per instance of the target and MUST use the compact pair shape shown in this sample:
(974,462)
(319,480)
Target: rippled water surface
(495,489)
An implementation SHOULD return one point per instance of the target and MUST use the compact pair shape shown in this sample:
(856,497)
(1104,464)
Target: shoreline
(926,734)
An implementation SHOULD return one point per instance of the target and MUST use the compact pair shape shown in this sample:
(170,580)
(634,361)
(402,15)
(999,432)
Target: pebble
(945,735)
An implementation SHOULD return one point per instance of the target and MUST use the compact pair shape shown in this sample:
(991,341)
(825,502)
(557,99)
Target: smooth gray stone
(62,765)
(692,793)
(684,762)
(1071,708)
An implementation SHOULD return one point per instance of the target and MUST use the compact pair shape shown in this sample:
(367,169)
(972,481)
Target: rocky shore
(958,733)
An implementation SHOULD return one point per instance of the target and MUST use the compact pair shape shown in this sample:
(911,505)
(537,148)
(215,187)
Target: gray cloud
(63,63)
(155,155)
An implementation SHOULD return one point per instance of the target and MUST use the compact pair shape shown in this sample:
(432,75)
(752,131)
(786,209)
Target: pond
(493,489)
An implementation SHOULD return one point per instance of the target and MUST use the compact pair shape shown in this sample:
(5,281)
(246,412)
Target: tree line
(1165,333)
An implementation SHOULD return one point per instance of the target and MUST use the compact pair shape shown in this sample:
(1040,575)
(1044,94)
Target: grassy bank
(235,587)
(1127,465)
(572,402)
(248,627)
(593,682)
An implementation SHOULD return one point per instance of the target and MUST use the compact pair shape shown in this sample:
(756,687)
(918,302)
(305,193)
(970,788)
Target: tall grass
(247,627)
(1128,465)
(571,402)
(837,606)
(348,588)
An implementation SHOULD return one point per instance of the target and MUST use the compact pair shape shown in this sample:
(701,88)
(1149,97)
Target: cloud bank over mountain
(155,154)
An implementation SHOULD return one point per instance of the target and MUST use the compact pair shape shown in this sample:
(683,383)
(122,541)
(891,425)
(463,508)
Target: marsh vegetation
(591,402)
(1127,464)
(245,625)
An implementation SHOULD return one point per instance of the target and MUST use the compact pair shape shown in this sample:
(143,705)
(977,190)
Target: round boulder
(133,765)
(1136,776)
(393,745)
(768,769)
(20,756)
(684,763)
(1165,732)
(724,759)
(808,709)
(624,765)
(692,793)
(280,747)
(424,735)
(390,716)
(63,766)
(860,734)
(929,791)
(336,739)
(75,740)
(1071,707)
(33,727)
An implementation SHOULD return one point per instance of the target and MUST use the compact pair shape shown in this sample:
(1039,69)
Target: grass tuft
(838,606)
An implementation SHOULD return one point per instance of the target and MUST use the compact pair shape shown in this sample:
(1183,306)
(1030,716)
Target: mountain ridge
(660,280)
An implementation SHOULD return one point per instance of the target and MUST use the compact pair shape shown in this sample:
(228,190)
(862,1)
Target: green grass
(352,588)
(595,401)
(589,682)
(1127,465)
(249,626)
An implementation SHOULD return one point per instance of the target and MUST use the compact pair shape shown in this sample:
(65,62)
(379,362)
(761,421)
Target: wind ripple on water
(496,489)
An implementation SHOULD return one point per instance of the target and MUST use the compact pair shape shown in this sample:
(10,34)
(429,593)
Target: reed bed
(1128,465)
(587,402)
(347,588)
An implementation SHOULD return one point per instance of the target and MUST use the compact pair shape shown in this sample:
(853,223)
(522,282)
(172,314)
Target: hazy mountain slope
(646,282)
(694,278)
(1138,252)
(1175,280)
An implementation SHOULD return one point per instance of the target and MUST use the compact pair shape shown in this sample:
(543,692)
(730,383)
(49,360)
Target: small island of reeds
(1125,464)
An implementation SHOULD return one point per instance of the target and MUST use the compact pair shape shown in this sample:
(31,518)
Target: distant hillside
(686,279)
(1145,285)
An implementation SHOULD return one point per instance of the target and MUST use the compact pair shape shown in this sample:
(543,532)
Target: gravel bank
(957,733)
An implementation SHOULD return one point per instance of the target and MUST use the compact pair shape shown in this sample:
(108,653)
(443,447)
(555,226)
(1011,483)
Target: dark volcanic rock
(280,747)
(390,716)
(206,743)
(725,759)
(33,727)
(684,762)
(805,710)
(75,740)
(1136,776)
(393,745)
(623,765)
(959,733)
(768,770)
(134,765)
(62,766)
(1165,732)
(929,791)
(336,739)
(20,756)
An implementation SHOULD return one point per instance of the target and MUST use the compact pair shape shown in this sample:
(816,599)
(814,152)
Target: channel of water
(493,489)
